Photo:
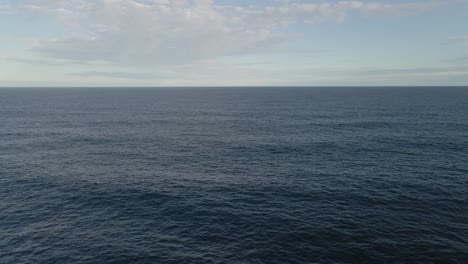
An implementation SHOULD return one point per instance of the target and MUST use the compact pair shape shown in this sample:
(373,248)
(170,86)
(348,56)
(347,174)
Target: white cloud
(35,61)
(123,75)
(458,39)
(161,32)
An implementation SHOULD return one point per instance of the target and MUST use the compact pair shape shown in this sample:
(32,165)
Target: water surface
(234,175)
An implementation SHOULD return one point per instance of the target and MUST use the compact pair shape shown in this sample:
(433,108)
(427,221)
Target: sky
(233,43)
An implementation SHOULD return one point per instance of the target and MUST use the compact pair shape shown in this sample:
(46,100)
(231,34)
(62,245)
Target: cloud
(142,33)
(460,60)
(458,39)
(36,61)
(122,75)
(218,74)
(422,71)
(65,10)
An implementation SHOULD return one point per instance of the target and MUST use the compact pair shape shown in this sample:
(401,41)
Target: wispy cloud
(460,60)
(218,73)
(6,9)
(158,32)
(36,61)
(216,42)
(458,39)
(120,75)
(423,71)
(50,61)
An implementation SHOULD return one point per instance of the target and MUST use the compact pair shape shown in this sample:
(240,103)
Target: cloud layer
(161,32)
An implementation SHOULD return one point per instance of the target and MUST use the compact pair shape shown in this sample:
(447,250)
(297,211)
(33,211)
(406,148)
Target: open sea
(234,175)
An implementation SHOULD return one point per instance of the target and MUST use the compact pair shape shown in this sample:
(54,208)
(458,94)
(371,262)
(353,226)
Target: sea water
(234,175)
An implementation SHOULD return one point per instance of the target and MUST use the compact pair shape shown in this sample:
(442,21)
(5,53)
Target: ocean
(234,175)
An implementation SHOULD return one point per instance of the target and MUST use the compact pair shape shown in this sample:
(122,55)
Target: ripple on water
(234,176)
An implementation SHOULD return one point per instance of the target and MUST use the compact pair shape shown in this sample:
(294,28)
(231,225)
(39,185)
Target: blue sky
(233,43)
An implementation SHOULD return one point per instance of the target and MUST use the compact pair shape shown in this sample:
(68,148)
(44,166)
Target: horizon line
(239,86)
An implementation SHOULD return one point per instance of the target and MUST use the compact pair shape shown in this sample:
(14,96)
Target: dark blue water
(236,175)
